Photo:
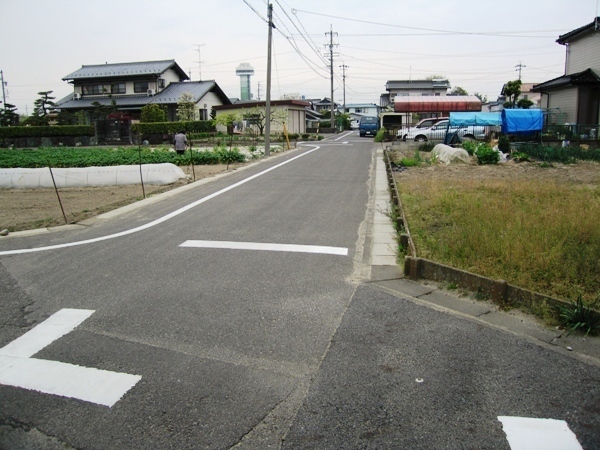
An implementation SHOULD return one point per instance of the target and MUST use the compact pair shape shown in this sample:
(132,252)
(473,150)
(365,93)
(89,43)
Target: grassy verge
(541,236)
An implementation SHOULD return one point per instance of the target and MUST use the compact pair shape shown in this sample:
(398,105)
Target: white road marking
(18,369)
(54,327)
(161,219)
(525,433)
(343,136)
(340,251)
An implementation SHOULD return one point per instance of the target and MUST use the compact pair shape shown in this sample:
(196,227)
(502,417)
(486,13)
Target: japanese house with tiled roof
(576,94)
(136,84)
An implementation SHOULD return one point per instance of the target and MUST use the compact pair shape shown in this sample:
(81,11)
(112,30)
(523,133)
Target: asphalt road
(262,347)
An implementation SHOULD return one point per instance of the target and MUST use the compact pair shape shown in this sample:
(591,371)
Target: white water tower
(245,71)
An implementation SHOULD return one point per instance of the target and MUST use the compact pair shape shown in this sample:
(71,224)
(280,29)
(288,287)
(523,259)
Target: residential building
(575,97)
(130,86)
(404,88)
(361,109)
(290,112)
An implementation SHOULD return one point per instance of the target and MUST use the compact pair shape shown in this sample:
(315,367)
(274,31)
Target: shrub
(380,135)
(426,146)
(46,131)
(470,147)
(197,126)
(486,154)
(504,144)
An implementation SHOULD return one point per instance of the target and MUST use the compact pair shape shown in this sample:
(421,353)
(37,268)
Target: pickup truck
(438,132)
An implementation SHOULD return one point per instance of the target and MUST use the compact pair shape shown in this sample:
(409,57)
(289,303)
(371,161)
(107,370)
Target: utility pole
(258,91)
(198,46)
(3,92)
(518,68)
(344,67)
(331,33)
(268,101)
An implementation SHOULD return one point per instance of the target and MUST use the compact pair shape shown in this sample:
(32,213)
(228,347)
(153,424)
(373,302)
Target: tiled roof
(172,93)
(169,95)
(588,76)
(86,102)
(563,39)
(125,69)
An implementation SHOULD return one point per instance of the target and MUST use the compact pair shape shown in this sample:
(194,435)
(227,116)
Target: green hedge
(198,126)
(46,131)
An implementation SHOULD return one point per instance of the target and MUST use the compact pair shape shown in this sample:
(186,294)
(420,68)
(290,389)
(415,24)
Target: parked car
(354,125)
(438,132)
(368,125)
(420,125)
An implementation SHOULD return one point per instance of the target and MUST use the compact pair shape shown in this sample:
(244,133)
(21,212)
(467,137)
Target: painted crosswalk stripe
(340,251)
(525,433)
(18,369)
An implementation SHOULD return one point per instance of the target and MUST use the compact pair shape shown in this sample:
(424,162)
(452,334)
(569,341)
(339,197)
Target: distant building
(405,88)
(292,112)
(245,71)
(362,109)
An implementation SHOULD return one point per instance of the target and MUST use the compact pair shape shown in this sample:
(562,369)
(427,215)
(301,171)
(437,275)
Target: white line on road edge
(341,251)
(524,433)
(57,378)
(160,220)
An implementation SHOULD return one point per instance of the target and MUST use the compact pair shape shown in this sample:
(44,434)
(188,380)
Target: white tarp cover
(166,173)
(447,154)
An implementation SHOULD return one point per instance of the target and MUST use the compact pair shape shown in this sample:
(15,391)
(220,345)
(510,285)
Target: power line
(468,33)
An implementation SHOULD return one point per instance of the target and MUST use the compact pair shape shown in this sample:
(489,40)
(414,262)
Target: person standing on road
(180,142)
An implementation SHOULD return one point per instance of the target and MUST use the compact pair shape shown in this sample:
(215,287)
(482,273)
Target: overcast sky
(475,44)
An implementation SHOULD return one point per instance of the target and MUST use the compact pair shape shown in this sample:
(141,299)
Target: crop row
(88,157)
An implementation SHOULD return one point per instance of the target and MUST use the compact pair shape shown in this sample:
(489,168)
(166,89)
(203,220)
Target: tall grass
(544,237)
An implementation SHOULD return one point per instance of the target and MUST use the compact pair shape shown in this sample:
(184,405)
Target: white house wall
(208,101)
(584,54)
(566,100)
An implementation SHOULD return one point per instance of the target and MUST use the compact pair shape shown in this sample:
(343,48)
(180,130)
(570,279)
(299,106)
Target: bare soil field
(26,209)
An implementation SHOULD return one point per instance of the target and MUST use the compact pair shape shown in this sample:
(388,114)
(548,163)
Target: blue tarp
(522,120)
(465,119)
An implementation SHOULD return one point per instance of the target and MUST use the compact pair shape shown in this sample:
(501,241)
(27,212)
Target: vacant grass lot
(534,225)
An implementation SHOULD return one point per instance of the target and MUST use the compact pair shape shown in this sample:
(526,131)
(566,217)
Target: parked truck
(368,126)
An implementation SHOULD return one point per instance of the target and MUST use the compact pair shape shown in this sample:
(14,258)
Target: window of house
(359,110)
(203,114)
(117,88)
(140,87)
(93,89)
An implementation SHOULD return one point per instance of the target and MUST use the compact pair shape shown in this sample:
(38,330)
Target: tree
(186,107)
(458,91)
(512,90)
(43,105)
(101,111)
(481,97)
(153,113)
(524,103)
(257,116)
(227,120)
(436,77)
(8,116)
